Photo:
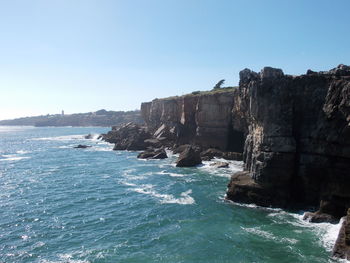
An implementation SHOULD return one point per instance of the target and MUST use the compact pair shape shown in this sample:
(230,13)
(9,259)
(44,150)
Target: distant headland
(98,118)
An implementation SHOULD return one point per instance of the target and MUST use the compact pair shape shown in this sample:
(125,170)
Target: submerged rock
(89,136)
(82,146)
(188,158)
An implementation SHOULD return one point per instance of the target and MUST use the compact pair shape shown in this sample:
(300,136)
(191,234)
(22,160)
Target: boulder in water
(188,158)
(220,164)
(153,154)
(82,146)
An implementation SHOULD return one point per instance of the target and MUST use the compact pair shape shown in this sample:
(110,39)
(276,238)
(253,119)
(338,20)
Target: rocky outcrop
(342,245)
(130,136)
(153,154)
(210,153)
(203,119)
(297,147)
(220,164)
(82,146)
(189,157)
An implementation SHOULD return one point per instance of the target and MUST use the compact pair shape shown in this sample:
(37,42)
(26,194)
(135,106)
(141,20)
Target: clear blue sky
(86,55)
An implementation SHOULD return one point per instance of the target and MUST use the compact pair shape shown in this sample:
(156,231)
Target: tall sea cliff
(293,131)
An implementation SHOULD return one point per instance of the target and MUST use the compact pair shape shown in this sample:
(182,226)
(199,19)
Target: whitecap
(64,258)
(12,157)
(326,232)
(25,237)
(184,199)
(15,128)
(171,174)
(127,183)
(234,166)
(22,152)
(61,138)
(267,235)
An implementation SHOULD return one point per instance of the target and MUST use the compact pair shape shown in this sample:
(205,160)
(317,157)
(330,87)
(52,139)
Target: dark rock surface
(318,217)
(210,153)
(189,157)
(204,119)
(342,245)
(298,138)
(153,154)
(220,164)
(235,156)
(243,188)
(129,136)
(88,136)
(82,146)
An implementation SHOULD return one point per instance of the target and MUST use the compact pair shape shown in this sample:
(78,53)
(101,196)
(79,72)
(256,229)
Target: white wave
(267,235)
(327,232)
(184,199)
(22,152)
(95,137)
(127,183)
(61,138)
(94,148)
(25,237)
(12,157)
(170,153)
(64,258)
(171,174)
(234,166)
(15,128)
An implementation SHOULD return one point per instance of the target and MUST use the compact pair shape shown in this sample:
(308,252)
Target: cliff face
(203,119)
(298,141)
(295,131)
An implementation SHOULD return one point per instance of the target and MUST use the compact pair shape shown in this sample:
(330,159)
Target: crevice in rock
(235,141)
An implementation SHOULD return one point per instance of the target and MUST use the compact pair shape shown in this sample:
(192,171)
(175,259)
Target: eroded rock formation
(203,119)
(298,141)
(342,245)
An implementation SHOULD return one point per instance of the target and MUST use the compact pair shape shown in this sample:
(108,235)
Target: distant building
(62,113)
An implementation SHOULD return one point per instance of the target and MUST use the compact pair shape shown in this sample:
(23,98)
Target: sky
(82,56)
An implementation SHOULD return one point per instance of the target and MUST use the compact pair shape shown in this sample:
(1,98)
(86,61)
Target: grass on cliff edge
(200,93)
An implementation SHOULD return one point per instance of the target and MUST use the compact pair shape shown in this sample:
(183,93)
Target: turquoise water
(60,204)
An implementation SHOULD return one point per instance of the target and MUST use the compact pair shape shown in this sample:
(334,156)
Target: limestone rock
(220,164)
(210,153)
(82,146)
(130,136)
(342,245)
(153,154)
(189,157)
(297,142)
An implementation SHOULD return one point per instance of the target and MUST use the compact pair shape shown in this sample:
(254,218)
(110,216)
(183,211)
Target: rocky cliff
(204,119)
(294,132)
(297,148)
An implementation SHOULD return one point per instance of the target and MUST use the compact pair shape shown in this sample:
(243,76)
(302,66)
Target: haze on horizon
(82,56)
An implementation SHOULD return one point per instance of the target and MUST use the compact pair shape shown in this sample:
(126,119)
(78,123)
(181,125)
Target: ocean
(61,204)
